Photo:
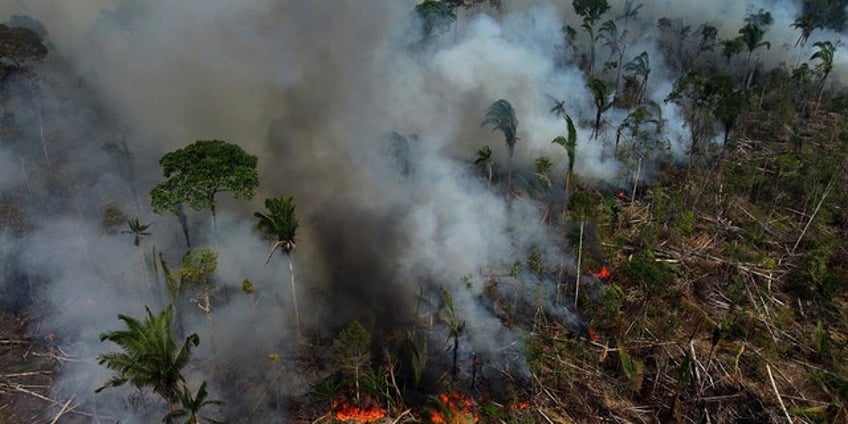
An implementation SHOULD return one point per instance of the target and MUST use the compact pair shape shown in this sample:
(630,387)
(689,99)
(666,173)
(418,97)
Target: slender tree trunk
(181,216)
(509,173)
(207,308)
(294,299)
(455,368)
(212,208)
(579,260)
(43,140)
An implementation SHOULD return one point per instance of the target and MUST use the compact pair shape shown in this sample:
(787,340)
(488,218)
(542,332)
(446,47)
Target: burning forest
(449,212)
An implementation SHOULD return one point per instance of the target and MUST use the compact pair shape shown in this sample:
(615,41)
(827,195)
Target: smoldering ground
(311,88)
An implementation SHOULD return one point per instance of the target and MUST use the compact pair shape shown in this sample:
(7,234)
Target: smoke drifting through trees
(311,88)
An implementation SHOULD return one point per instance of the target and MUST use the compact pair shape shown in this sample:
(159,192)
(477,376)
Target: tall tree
(601,91)
(279,223)
(824,55)
(201,170)
(352,353)
(502,117)
(149,357)
(456,327)
(751,34)
(591,12)
(616,41)
(569,143)
(641,67)
(806,25)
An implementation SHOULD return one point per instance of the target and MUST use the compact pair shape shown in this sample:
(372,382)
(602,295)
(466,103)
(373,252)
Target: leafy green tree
(696,99)
(199,171)
(485,162)
(279,223)
(729,103)
(752,34)
(149,356)
(824,55)
(137,229)
(806,24)
(732,47)
(191,404)
(591,12)
(352,352)
(502,117)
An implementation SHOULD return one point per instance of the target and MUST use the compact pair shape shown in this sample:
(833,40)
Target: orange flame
(346,412)
(603,274)
(456,408)
(593,335)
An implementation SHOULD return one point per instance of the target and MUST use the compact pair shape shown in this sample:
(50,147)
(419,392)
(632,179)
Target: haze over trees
(695,274)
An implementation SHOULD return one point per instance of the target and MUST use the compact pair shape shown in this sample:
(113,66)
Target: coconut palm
(191,406)
(825,57)
(485,162)
(502,117)
(806,25)
(137,229)
(150,357)
(279,223)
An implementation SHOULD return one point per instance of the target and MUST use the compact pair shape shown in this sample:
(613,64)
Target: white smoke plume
(311,88)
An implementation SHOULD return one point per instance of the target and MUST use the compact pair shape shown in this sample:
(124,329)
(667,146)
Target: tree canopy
(199,171)
(18,46)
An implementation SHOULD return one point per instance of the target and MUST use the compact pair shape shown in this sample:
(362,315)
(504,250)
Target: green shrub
(644,270)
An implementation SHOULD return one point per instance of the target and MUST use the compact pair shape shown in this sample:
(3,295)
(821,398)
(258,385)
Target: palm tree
(191,406)
(137,229)
(752,36)
(641,66)
(825,58)
(806,25)
(568,143)
(455,326)
(150,357)
(600,92)
(616,41)
(280,223)
(485,162)
(502,117)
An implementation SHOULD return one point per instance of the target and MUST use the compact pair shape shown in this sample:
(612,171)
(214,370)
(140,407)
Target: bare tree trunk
(579,260)
(294,300)
(43,140)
